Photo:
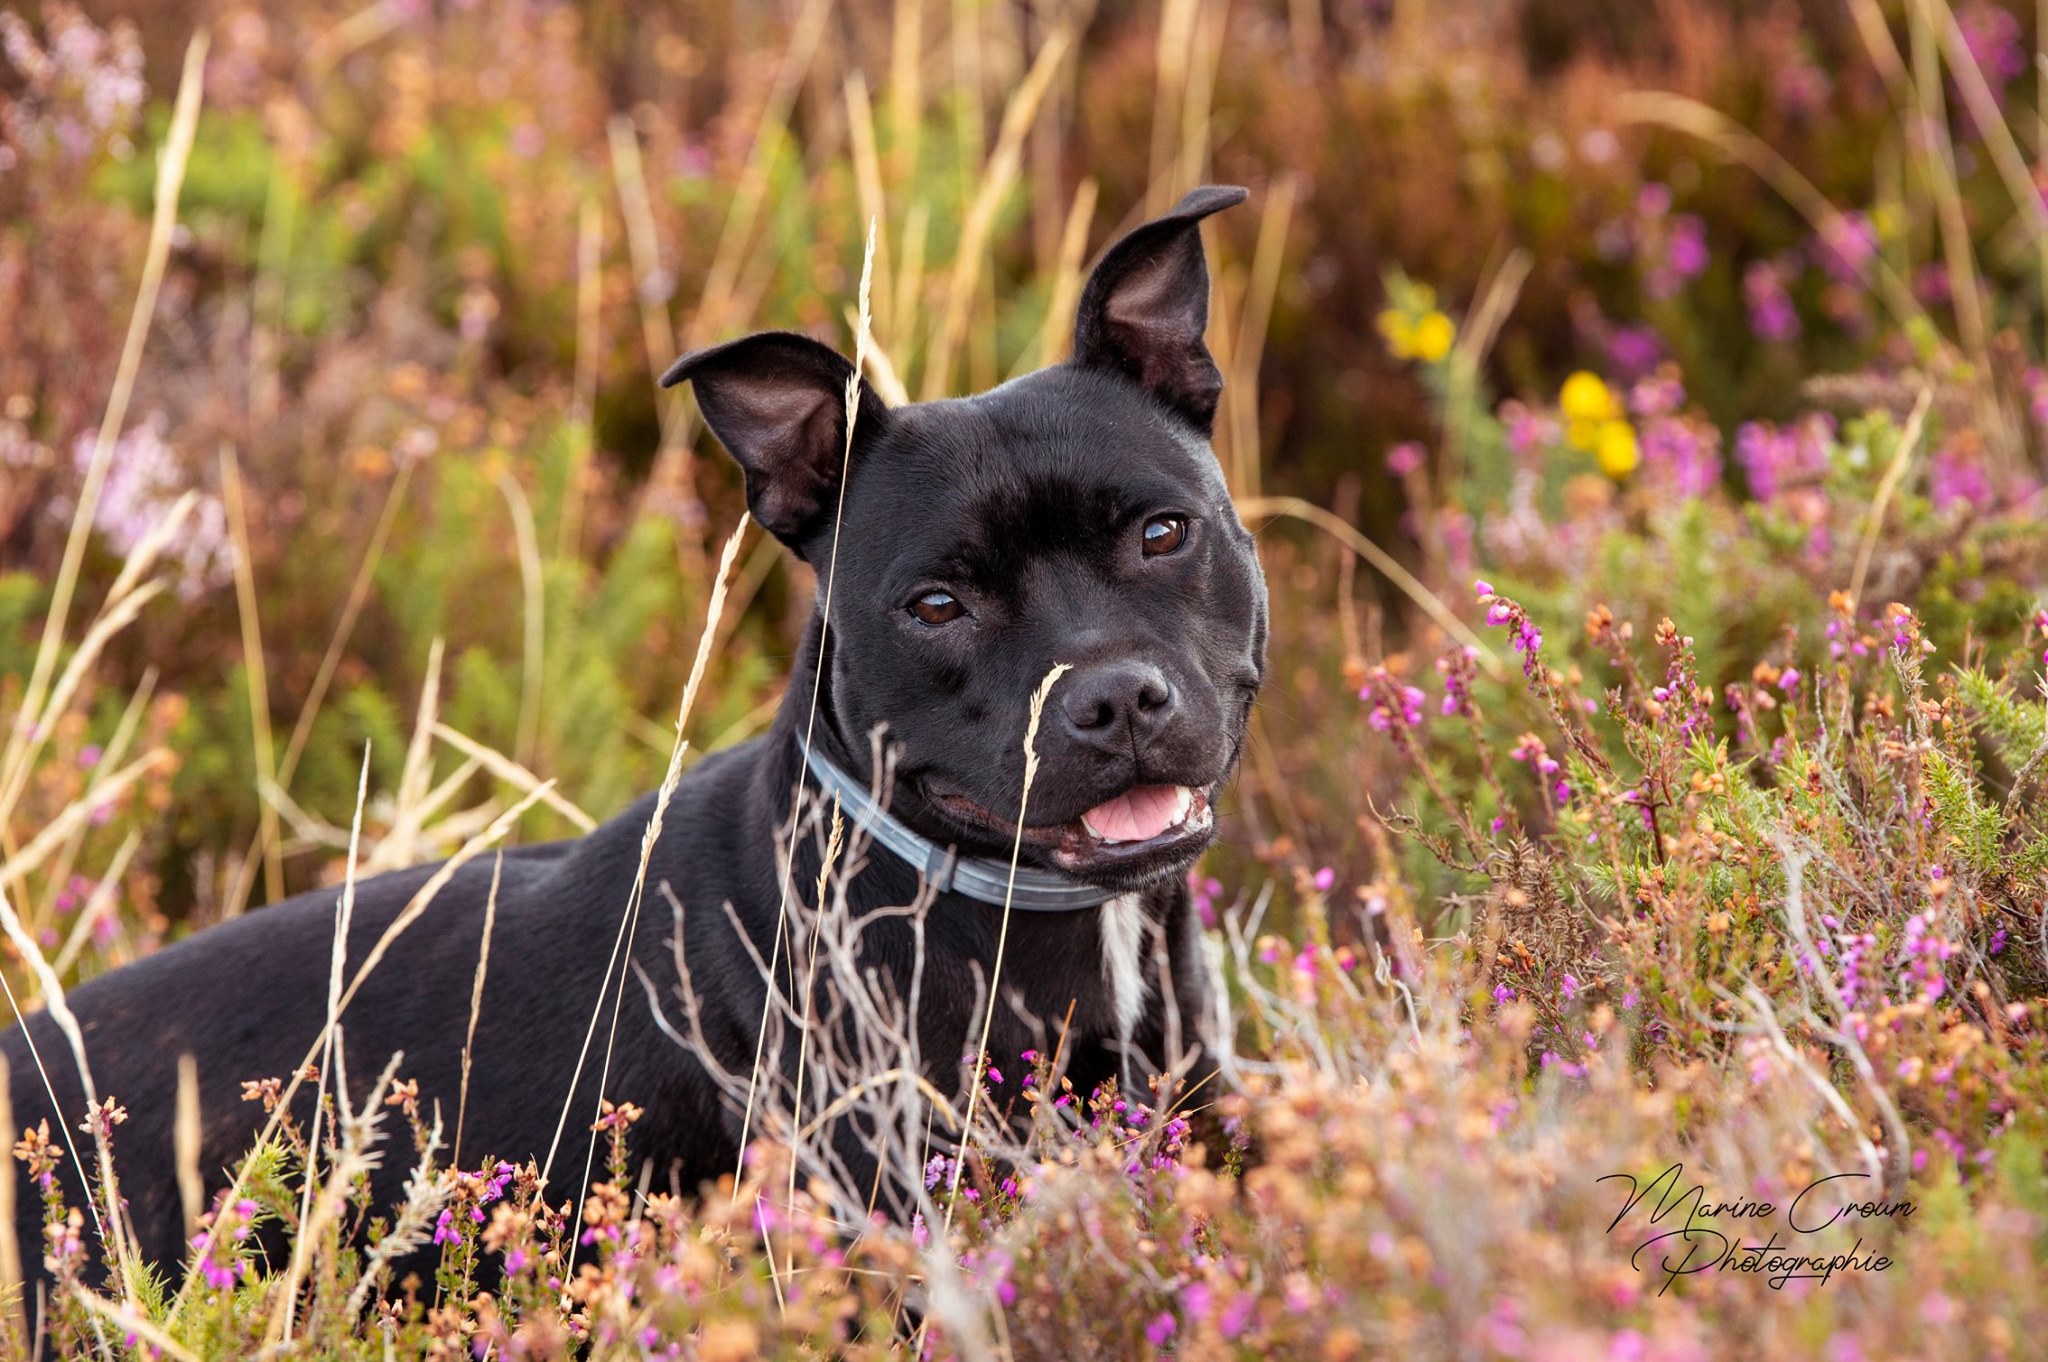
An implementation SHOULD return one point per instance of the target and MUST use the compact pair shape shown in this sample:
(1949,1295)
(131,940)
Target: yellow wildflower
(1398,330)
(1426,335)
(1588,404)
(1585,398)
(1431,339)
(1616,449)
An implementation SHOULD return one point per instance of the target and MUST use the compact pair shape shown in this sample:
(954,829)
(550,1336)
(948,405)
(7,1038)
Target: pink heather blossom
(1956,478)
(1635,350)
(1845,247)
(1992,36)
(1771,314)
(144,479)
(1775,457)
(1685,254)
(1681,456)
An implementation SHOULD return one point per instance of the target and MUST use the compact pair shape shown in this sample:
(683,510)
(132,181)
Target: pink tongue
(1136,814)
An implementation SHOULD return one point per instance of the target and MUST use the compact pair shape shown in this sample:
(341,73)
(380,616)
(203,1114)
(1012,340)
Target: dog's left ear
(777,402)
(1147,304)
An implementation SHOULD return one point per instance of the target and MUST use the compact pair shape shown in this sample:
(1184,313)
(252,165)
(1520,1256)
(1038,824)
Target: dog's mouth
(1130,836)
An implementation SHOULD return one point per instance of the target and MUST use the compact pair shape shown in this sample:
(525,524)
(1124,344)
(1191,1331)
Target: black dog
(1076,515)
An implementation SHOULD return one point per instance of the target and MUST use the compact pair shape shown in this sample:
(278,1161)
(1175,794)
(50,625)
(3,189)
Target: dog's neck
(1115,979)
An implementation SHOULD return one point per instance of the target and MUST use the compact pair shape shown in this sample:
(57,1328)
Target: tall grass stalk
(630,918)
(995,972)
(784,890)
(30,721)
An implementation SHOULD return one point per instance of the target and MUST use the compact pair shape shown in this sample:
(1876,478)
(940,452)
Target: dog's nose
(1104,701)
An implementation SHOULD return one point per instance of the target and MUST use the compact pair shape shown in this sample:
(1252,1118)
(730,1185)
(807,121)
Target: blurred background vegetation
(431,253)
(1641,407)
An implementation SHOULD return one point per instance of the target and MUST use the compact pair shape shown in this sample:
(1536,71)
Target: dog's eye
(1164,534)
(937,607)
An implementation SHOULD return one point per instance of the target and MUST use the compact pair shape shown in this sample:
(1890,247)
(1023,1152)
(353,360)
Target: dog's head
(1076,515)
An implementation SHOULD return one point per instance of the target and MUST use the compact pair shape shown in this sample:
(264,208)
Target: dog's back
(248,1000)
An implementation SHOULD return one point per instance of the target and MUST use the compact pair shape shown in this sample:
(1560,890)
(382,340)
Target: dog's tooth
(1183,800)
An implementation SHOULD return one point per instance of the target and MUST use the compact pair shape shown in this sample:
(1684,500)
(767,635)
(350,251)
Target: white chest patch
(1123,945)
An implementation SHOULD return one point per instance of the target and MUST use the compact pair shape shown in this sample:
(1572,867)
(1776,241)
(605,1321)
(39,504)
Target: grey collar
(1036,891)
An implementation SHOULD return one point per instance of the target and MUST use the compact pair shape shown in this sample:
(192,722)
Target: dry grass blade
(116,617)
(131,1321)
(112,1231)
(415,778)
(264,749)
(867,174)
(424,1194)
(1057,337)
(589,336)
(1497,295)
(533,620)
(160,537)
(344,628)
(76,815)
(630,918)
(514,774)
(12,1283)
(476,1004)
(344,912)
(657,334)
(1205,55)
(1171,61)
(1347,534)
(833,845)
(995,974)
(185,1144)
(418,904)
(1248,347)
(1909,441)
(2006,155)
(1930,131)
(170,181)
(99,906)
(996,178)
(784,889)
(354,1134)
(113,754)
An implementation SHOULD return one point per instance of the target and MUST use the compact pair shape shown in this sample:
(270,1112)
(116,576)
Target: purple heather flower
(1771,314)
(1955,477)
(1993,39)
(1685,254)
(1635,350)
(1680,454)
(1846,246)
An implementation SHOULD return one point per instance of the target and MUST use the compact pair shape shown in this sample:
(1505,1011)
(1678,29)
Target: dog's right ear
(777,402)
